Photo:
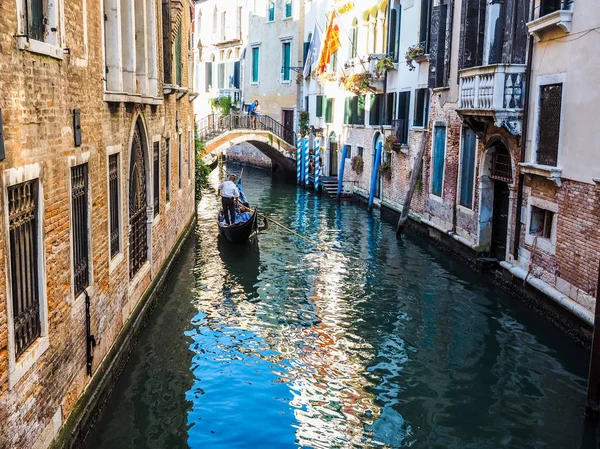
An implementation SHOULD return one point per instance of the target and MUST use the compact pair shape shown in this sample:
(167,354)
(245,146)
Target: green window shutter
(360,116)
(469,148)
(319,111)
(36,20)
(288,8)
(255,59)
(285,68)
(439,154)
(271,10)
(347,110)
(329,110)
(375,113)
(178,63)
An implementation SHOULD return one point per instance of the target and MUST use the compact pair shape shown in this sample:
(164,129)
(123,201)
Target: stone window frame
(126,80)
(468,210)
(118,150)
(54,42)
(17,368)
(544,80)
(283,41)
(433,196)
(73,161)
(547,245)
(252,48)
(157,138)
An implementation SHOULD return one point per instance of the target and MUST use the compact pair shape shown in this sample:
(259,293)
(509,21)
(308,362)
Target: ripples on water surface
(375,343)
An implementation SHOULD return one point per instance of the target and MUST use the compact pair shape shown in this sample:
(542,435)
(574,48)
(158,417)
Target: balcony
(551,15)
(493,93)
(366,63)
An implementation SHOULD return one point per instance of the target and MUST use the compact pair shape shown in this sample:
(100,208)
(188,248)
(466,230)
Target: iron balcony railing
(400,127)
(213,125)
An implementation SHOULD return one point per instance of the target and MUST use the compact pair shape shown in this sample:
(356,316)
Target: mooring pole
(299,159)
(317,163)
(305,162)
(592,405)
(341,174)
(416,171)
(374,175)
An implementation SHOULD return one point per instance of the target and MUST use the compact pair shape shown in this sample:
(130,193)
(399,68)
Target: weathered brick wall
(38,95)
(573,269)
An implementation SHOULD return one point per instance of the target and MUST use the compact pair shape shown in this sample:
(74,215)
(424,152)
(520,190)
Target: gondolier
(229,195)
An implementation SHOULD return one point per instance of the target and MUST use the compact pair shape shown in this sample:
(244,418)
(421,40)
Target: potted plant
(385,170)
(358,84)
(414,53)
(384,65)
(357,164)
(392,143)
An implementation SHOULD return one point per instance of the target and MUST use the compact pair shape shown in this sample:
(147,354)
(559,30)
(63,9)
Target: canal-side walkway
(373,343)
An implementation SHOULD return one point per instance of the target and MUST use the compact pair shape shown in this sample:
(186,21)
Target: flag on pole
(313,52)
(330,44)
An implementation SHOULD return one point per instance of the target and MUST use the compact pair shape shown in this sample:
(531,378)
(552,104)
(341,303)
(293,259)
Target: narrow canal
(372,343)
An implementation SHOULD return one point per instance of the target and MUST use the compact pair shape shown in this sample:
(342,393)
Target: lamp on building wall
(77,127)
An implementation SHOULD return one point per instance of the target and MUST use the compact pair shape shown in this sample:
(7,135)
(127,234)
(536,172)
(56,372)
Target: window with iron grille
(24,258)
(549,124)
(168,170)
(501,164)
(156,177)
(114,205)
(80,224)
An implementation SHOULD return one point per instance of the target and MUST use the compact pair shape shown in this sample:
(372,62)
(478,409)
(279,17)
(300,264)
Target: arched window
(354,39)
(138,201)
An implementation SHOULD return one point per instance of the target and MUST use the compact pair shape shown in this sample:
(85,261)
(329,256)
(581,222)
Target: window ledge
(561,18)
(40,48)
(126,97)
(27,360)
(541,243)
(115,262)
(551,173)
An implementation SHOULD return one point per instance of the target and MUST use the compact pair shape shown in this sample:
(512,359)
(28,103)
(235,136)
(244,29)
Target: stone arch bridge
(266,134)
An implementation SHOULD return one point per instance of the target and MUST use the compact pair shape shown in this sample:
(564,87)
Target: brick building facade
(96,158)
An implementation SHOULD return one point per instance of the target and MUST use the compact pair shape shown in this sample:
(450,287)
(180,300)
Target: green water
(362,341)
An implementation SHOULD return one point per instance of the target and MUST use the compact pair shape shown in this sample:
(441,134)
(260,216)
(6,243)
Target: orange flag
(331,43)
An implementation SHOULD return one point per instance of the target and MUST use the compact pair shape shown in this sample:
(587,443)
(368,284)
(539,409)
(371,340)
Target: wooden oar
(281,226)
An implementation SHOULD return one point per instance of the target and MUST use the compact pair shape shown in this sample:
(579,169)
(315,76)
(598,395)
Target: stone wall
(39,95)
(248,154)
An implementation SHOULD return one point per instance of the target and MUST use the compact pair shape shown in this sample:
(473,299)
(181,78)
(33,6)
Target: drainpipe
(523,147)
(374,175)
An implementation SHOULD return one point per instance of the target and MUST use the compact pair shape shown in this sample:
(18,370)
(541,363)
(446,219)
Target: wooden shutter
(467,170)
(439,151)
(360,110)
(166,32)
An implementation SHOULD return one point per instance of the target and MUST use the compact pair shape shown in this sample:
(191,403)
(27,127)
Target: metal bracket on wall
(2,154)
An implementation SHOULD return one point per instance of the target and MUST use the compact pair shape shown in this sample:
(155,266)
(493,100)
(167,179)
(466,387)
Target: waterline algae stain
(377,343)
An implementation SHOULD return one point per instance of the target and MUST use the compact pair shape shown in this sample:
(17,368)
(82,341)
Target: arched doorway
(333,155)
(378,137)
(138,197)
(496,179)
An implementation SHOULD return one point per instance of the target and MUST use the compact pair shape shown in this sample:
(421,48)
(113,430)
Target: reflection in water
(375,343)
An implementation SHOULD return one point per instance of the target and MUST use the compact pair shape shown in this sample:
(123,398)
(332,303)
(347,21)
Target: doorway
(500,220)
(333,159)
(287,119)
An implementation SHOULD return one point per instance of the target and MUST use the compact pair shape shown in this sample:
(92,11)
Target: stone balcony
(493,93)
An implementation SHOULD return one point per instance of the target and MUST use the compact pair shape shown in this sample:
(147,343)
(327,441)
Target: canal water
(359,341)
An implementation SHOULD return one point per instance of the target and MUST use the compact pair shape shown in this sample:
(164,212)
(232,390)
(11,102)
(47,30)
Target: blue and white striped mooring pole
(298,159)
(374,175)
(317,163)
(341,174)
(306,159)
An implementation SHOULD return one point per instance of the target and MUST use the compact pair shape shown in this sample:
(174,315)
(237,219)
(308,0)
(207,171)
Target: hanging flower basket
(384,65)
(414,53)
(392,143)
(357,164)
(358,84)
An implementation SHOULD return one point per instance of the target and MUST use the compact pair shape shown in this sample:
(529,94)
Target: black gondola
(239,232)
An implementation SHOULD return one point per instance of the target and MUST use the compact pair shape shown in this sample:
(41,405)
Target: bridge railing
(214,125)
